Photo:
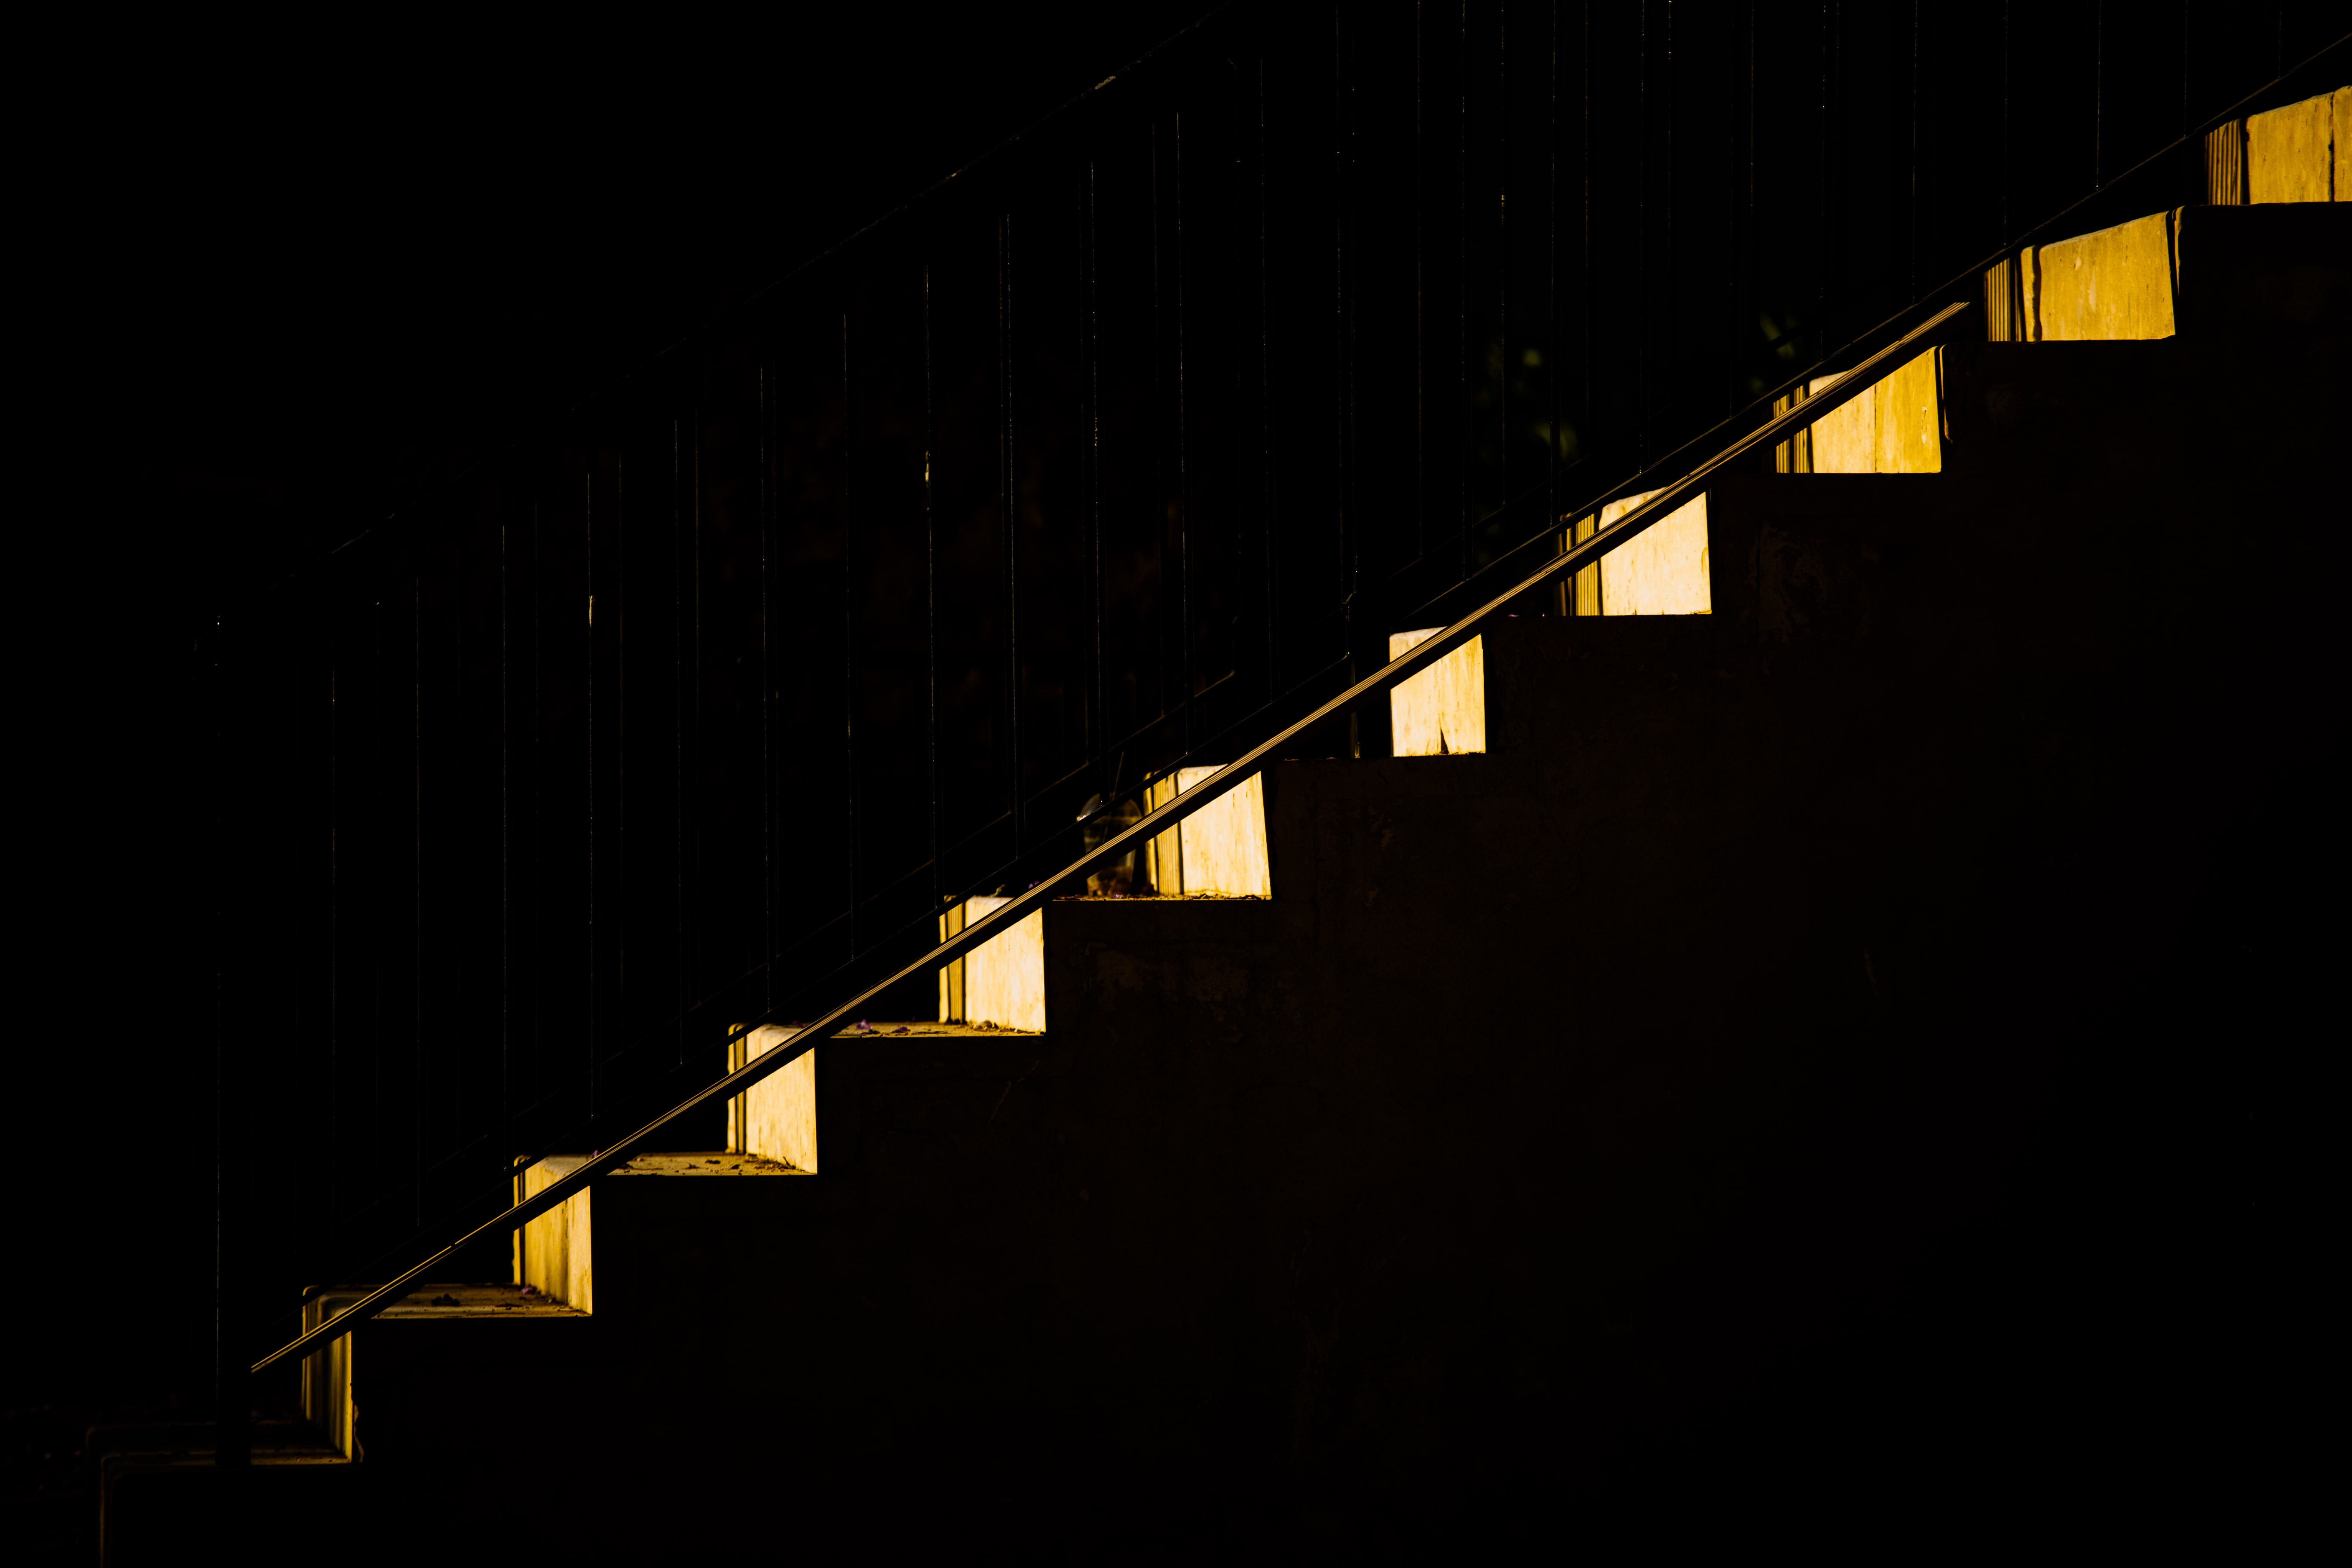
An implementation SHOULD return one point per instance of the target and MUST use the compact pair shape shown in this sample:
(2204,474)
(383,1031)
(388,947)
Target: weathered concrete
(1219,850)
(552,1253)
(1441,711)
(998,982)
(776,1118)
(2113,284)
(2291,153)
(1662,572)
(1895,427)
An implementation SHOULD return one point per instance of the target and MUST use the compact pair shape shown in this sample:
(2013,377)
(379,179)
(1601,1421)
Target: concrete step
(163,1499)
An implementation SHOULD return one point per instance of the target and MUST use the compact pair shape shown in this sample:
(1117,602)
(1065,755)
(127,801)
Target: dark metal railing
(1124,450)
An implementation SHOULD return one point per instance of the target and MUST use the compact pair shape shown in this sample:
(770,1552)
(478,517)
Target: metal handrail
(1420,656)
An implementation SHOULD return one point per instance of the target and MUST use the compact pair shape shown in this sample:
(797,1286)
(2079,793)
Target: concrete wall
(1894,427)
(1220,851)
(554,1253)
(2123,283)
(1442,710)
(1001,981)
(2291,155)
(1662,572)
(775,1117)
(2117,283)
(2297,153)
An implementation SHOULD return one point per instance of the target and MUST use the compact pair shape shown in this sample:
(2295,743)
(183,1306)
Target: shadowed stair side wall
(1218,852)
(556,1256)
(1442,710)
(775,1117)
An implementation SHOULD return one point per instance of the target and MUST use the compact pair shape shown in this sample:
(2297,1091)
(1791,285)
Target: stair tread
(706,1164)
(452,1300)
(896,1029)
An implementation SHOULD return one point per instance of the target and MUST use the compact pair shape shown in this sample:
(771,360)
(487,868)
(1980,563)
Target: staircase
(1684,981)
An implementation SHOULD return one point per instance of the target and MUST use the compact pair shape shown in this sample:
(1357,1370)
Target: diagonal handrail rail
(1423,653)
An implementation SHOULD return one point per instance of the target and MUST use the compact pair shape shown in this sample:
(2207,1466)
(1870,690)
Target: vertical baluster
(678,668)
(417,1100)
(931,604)
(1091,349)
(849,623)
(1002,389)
(232,1382)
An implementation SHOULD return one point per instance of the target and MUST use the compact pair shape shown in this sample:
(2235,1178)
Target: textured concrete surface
(997,983)
(1441,711)
(1894,427)
(2115,283)
(1218,852)
(2291,153)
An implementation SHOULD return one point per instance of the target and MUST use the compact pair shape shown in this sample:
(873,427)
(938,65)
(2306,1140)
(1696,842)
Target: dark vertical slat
(232,1098)
(1097,668)
(418,1096)
(1259,251)
(1827,242)
(507,1106)
(1672,310)
(771,791)
(681,687)
(1911,228)
(931,608)
(2007,227)
(1342,385)
(1177,446)
(1556,456)
(850,498)
(1584,153)
(1000,391)
(1647,314)
(593,1062)
(1745,287)
(1458,213)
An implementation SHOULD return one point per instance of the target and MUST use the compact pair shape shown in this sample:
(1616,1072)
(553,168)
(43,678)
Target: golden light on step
(1663,572)
(1218,852)
(2294,153)
(2123,282)
(775,1117)
(1000,981)
(1442,710)
(553,1253)
(1895,427)
(2115,283)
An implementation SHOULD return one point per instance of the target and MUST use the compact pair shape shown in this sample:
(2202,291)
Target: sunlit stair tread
(705,1165)
(447,1303)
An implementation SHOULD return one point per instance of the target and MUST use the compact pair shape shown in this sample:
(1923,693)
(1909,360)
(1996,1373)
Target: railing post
(232,1143)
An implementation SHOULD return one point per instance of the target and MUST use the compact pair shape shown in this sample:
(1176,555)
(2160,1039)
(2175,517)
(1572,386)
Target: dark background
(286,287)
(283,287)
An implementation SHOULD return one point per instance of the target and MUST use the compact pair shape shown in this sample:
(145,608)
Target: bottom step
(160,1498)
